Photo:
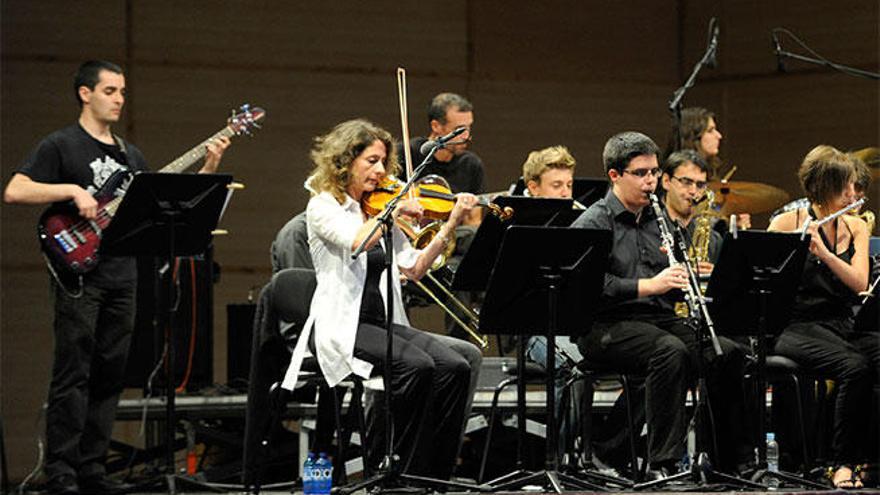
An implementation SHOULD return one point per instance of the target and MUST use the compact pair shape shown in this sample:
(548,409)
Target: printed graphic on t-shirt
(102,170)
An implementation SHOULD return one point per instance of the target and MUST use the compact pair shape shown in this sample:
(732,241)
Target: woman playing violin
(430,380)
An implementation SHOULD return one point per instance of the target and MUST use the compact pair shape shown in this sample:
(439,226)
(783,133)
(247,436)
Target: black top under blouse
(372,303)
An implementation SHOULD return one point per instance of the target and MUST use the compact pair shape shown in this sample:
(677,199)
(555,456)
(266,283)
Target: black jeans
(663,349)
(824,347)
(429,395)
(92,338)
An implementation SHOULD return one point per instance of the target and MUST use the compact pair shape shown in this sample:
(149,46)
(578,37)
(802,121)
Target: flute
(830,217)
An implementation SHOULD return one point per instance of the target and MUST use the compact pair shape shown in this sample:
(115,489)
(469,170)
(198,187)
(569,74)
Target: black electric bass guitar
(72,243)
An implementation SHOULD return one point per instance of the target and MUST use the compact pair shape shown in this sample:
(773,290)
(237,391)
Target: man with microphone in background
(462,169)
(450,116)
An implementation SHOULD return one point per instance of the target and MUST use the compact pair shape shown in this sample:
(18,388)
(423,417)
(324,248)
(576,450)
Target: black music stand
(584,190)
(533,289)
(476,264)
(752,291)
(168,215)
(534,211)
(588,190)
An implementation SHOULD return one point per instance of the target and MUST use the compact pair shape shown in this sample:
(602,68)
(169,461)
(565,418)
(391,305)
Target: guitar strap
(121,145)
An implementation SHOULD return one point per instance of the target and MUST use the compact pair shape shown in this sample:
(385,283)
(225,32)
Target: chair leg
(339,472)
(493,412)
(324,422)
(638,472)
(565,421)
(357,403)
(586,419)
(822,399)
(799,402)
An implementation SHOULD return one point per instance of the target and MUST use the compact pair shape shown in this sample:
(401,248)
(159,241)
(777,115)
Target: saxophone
(704,214)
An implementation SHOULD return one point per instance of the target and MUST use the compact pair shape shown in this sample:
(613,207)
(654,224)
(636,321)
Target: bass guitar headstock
(246,119)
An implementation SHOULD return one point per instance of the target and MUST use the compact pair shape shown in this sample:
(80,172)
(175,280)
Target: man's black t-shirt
(464,172)
(72,156)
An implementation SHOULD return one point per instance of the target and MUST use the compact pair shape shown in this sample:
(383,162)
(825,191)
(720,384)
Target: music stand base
(787,477)
(593,476)
(177,484)
(701,473)
(389,480)
(555,480)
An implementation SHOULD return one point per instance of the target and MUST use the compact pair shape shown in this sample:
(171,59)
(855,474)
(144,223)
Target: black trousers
(663,349)
(832,349)
(92,338)
(429,394)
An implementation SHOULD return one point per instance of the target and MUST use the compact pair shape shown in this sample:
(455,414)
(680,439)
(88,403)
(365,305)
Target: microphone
(441,142)
(712,61)
(777,50)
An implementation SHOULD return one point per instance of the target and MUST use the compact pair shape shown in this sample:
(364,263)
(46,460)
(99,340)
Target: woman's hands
(464,204)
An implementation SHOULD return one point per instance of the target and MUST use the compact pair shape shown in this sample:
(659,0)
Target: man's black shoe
(64,484)
(101,485)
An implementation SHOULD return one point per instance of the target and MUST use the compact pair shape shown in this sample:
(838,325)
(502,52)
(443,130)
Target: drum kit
(746,197)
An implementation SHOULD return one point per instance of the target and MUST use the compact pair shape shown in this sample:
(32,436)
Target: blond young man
(549,173)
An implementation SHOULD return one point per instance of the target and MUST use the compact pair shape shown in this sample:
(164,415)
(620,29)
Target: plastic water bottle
(323,475)
(308,475)
(772,458)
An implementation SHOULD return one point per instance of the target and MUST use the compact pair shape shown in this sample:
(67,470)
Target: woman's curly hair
(334,152)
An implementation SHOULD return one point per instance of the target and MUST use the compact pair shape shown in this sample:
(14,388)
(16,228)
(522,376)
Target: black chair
(781,369)
(535,375)
(593,373)
(281,313)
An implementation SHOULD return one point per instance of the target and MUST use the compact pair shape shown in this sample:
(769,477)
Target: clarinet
(693,296)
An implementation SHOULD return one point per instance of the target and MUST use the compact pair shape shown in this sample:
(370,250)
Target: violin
(433,194)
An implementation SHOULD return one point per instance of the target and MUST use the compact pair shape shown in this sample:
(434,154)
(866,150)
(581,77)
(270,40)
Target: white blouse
(336,305)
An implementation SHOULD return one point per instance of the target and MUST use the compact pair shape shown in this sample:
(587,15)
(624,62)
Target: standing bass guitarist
(92,325)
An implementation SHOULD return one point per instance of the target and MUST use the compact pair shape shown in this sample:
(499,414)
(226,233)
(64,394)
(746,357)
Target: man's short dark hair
(441,104)
(681,157)
(88,75)
(621,148)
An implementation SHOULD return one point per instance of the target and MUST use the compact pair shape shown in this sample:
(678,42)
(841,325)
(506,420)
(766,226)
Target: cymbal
(747,197)
(871,157)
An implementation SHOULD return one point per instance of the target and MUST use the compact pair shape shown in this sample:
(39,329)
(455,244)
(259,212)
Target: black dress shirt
(635,254)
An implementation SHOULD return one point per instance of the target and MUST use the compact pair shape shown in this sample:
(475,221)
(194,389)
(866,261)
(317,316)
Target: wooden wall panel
(63,30)
(845,32)
(329,36)
(573,40)
(514,118)
(25,363)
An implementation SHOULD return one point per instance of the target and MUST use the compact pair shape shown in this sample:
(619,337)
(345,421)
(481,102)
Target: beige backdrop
(539,73)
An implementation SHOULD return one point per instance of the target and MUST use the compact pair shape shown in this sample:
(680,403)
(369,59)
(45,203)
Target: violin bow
(404,124)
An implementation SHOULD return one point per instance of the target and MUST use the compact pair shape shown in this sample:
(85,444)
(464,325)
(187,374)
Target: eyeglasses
(643,172)
(688,182)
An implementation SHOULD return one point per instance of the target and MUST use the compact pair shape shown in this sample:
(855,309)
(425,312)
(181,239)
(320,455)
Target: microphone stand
(817,60)
(705,61)
(388,473)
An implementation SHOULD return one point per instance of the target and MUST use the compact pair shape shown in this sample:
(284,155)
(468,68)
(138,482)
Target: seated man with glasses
(636,330)
(684,183)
